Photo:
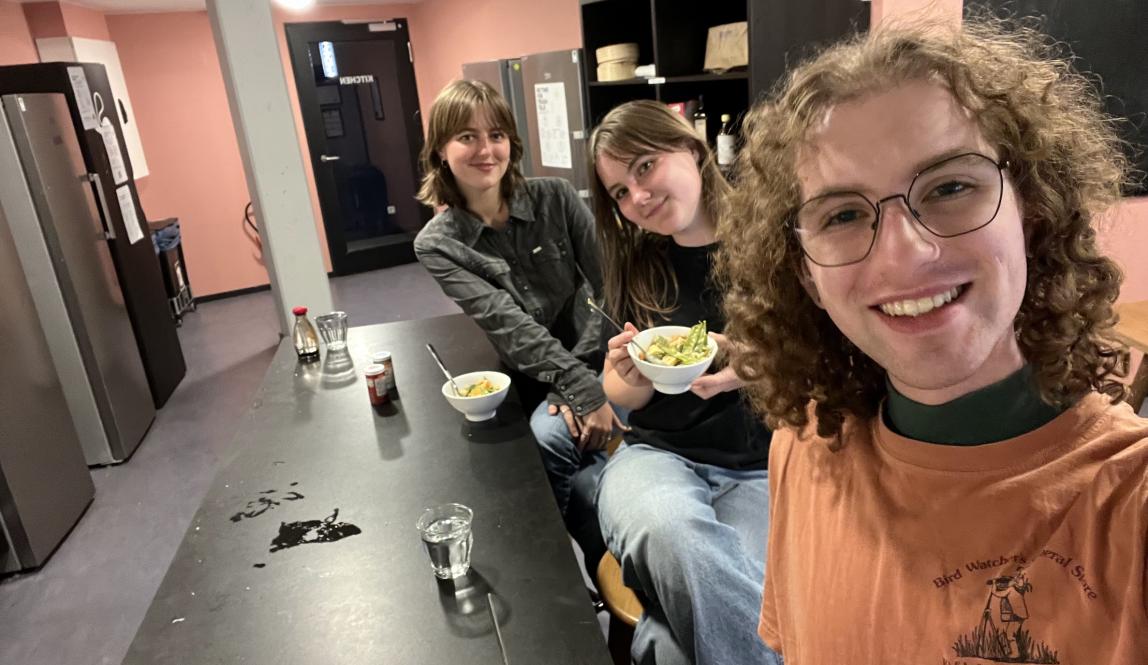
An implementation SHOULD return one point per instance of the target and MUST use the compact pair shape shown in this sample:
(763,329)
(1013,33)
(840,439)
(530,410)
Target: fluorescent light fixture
(295,5)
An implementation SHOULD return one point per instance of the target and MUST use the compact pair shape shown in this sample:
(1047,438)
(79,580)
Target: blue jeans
(691,539)
(574,481)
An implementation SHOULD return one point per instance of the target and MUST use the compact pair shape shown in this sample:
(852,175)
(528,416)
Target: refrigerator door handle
(105,213)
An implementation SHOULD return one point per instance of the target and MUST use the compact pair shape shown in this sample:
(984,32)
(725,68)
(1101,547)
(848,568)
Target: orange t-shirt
(893,551)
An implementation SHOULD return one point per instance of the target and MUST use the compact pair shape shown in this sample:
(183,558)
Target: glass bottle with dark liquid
(306,341)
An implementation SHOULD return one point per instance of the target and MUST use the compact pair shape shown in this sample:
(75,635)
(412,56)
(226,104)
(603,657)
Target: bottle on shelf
(700,117)
(306,341)
(725,143)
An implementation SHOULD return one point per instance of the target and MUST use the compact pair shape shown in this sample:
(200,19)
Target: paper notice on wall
(553,126)
(83,97)
(112,147)
(128,213)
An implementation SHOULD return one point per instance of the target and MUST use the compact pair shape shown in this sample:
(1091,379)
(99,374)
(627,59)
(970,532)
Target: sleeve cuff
(580,389)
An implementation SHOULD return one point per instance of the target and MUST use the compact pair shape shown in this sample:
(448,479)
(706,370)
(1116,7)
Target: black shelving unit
(672,35)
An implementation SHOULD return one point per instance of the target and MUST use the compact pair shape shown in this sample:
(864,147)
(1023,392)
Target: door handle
(328,158)
(106,222)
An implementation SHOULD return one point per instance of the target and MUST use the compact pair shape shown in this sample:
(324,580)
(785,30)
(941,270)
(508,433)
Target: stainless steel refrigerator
(56,209)
(44,483)
(98,131)
(545,92)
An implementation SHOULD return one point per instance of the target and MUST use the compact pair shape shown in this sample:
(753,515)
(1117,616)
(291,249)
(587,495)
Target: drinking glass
(446,533)
(333,328)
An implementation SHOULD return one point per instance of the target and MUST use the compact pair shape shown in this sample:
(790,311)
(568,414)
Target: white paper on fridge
(128,212)
(112,146)
(553,127)
(83,97)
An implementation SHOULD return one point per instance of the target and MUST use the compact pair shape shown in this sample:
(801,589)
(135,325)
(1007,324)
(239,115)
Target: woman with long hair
(519,256)
(681,502)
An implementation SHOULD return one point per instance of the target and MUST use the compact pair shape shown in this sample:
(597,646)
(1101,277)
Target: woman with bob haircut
(519,257)
(681,501)
(916,295)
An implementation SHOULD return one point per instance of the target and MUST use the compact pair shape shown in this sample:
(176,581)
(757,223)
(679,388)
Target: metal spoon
(441,366)
(598,309)
(497,630)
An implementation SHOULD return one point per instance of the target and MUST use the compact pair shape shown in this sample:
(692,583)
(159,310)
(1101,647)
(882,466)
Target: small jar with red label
(377,384)
(384,358)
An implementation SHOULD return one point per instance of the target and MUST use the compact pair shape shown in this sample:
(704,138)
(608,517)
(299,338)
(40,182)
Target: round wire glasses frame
(972,159)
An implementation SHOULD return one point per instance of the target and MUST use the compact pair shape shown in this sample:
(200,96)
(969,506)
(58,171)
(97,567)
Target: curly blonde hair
(451,112)
(1066,164)
(639,284)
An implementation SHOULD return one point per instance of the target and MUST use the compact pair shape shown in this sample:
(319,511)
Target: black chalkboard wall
(1108,37)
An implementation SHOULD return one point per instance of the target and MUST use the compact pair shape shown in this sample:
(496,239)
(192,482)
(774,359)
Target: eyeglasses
(955,196)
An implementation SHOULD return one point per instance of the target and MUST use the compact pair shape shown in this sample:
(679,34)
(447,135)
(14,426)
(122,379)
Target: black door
(360,109)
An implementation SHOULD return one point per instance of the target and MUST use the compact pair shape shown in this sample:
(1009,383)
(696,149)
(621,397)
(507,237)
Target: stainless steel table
(314,463)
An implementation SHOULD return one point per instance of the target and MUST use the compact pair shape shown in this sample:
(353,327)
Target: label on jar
(725,149)
(376,376)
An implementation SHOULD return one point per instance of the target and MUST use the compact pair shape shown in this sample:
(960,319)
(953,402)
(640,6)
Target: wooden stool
(624,607)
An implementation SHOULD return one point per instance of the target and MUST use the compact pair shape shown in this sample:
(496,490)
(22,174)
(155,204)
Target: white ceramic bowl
(479,408)
(669,380)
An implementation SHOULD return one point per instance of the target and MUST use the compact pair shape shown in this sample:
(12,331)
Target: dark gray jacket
(526,286)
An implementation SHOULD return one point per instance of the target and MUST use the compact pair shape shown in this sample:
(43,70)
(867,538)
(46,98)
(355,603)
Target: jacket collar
(470,227)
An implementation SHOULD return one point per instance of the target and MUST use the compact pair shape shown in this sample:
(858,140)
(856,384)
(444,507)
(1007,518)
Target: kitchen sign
(356,80)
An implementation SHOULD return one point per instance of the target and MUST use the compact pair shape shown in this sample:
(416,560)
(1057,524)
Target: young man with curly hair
(916,296)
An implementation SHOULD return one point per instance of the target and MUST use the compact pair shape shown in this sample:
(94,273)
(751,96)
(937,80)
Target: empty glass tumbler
(333,328)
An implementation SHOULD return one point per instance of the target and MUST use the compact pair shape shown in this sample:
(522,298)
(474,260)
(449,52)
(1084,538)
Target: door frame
(398,248)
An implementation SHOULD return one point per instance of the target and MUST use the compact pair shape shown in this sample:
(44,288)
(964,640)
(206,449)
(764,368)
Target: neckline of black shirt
(723,430)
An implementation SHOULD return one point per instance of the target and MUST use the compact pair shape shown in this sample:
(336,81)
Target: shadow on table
(391,427)
(338,369)
(465,605)
(508,424)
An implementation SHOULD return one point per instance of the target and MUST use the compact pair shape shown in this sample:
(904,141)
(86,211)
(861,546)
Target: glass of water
(333,328)
(446,533)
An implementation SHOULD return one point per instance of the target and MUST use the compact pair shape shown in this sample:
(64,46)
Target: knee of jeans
(551,433)
(635,523)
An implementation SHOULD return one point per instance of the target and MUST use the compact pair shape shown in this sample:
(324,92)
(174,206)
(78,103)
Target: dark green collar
(1006,409)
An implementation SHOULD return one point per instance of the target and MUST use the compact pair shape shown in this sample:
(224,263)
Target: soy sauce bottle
(306,341)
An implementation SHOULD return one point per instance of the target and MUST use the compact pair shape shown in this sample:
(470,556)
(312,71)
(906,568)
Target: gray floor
(84,605)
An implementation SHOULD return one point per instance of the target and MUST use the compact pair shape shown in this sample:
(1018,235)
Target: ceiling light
(295,5)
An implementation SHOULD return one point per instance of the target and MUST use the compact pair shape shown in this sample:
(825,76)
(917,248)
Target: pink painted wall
(1124,235)
(461,31)
(882,9)
(16,45)
(61,19)
(83,22)
(45,19)
(181,109)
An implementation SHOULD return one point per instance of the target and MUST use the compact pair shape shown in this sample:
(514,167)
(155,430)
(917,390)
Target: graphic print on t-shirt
(1000,634)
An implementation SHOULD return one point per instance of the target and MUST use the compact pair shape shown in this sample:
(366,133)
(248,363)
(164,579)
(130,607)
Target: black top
(722,430)
(526,285)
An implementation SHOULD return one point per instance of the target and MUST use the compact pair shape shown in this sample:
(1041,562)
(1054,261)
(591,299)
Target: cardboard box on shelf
(727,46)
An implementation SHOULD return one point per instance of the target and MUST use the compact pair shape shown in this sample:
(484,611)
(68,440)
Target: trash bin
(165,238)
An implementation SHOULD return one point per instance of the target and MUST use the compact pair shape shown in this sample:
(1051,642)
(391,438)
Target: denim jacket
(526,286)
